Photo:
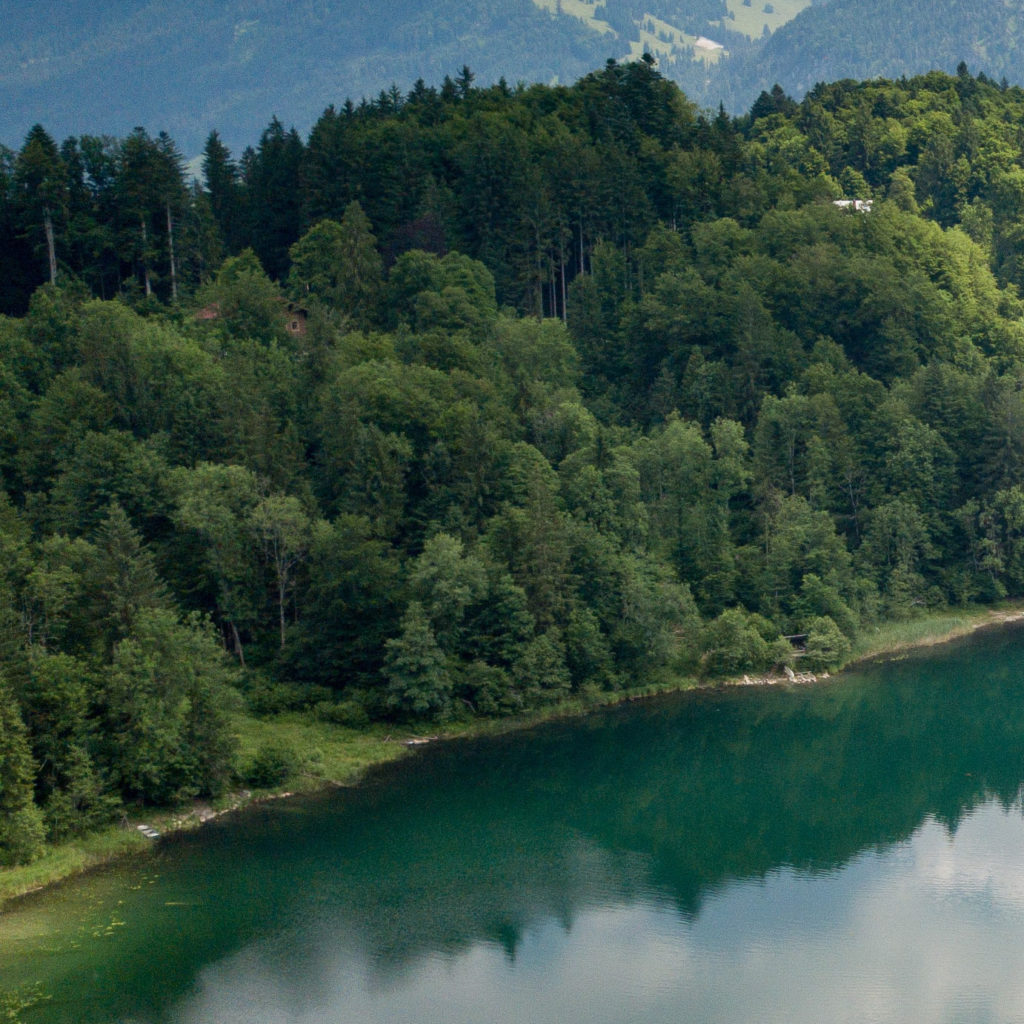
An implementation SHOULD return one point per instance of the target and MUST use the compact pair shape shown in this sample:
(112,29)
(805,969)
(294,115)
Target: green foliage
(243,301)
(271,765)
(265,697)
(826,647)
(21,823)
(351,714)
(634,398)
(165,707)
(121,579)
(540,674)
(736,643)
(338,264)
(56,695)
(216,503)
(418,682)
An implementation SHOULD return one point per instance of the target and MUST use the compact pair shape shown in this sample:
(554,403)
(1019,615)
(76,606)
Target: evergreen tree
(360,279)
(274,201)
(121,579)
(223,187)
(21,823)
(418,682)
(41,181)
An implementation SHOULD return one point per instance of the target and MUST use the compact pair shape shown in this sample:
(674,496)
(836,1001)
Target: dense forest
(480,397)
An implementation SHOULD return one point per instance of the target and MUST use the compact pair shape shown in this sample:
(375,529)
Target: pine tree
(40,178)
(221,176)
(21,823)
(361,280)
(418,683)
(170,184)
(271,178)
(137,197)
(122,579)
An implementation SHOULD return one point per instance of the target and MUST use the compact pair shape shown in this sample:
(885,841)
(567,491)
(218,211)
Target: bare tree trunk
(145,264)
(539,271)
(238,645)
(282,587)
(170,250)
(51,249)
(561,267)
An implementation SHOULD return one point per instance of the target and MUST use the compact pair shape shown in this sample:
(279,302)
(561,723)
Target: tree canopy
(482,397)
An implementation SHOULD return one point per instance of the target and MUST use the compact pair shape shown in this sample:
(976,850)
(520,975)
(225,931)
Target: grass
(752,20)
(654,36)
(70,858)
(581,10)
(331,753)
(934,628)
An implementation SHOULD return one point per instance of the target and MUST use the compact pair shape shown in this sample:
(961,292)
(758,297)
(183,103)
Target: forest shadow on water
(663,805)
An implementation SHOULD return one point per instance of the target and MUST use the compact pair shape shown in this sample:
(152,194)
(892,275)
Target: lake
(845,851)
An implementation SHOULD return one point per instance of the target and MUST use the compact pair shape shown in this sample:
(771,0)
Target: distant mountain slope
(187,66)
(887,38)
(184,66)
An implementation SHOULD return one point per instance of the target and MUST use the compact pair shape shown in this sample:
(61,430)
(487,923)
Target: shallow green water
(846,852)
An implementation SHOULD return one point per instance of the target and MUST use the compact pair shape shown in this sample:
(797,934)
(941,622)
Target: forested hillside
(478,397)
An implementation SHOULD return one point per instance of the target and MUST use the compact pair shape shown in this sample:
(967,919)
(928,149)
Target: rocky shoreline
(789,676)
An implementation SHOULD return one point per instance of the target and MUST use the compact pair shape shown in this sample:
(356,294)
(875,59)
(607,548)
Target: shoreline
(884,651)
(963,624)
(363,751)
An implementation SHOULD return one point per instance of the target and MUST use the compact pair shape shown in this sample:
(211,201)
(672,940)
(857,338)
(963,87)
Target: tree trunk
(51,249)
(539,272)
(170,251)
(565,308)
(238,645)
(282,587)
(145,264)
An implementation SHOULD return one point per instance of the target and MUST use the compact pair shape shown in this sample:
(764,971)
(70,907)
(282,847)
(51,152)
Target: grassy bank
(940,627)
(326,754)
(329,754)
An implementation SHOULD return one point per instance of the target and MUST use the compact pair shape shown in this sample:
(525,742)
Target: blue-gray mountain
(885,38)
(187,67)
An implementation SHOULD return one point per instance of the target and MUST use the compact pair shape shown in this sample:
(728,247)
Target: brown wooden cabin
(295,317)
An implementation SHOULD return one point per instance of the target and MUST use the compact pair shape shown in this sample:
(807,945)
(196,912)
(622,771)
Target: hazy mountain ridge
(178,67)
(883,38)
(187,69)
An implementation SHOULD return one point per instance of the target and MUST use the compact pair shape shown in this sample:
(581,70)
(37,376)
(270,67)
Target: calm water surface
(845,852)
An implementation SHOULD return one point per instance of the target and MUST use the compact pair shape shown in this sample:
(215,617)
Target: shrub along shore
(323,754)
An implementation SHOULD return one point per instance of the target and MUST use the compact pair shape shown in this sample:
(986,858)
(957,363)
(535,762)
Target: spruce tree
(418,683)
(21,823)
